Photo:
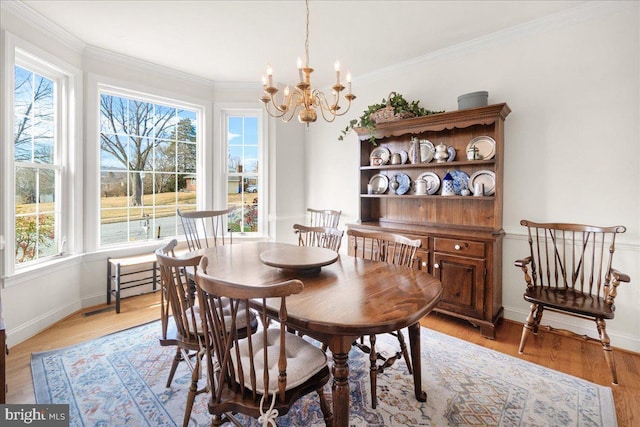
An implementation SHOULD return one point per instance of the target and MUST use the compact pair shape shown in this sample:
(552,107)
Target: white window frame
(102,84)
(68,81)
(222,112)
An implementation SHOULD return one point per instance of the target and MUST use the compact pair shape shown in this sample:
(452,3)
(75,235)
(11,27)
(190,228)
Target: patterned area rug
(119,380)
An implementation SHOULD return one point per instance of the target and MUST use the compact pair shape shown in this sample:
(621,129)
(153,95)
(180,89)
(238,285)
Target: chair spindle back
(324,217)
(384,247)
(572,256)
(204,229)
(248,372)
(323,237)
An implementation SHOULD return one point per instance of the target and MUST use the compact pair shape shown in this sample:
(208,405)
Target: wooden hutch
(461,235)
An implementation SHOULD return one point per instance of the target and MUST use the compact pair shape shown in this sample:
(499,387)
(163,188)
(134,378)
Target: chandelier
(303,97)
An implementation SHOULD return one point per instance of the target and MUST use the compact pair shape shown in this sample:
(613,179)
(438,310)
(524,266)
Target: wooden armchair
(324,237)
(203,229)
(261,375)
(569,271)
(324,217)
(392,249)
(180,318)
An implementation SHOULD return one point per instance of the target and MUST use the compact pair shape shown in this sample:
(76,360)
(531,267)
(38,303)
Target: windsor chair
(392,249)
(569,270)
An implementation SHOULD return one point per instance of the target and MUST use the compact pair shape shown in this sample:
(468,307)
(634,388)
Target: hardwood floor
(583,359)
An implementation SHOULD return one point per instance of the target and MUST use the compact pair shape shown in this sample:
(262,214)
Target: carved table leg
(340,385)
(414,341)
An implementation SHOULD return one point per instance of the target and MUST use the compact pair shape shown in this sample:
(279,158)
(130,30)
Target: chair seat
(570,300)
(304,360)
(241,319)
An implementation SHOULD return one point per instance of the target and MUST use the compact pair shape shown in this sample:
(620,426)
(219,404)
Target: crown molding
(92,52)
(46,26)
(589,10)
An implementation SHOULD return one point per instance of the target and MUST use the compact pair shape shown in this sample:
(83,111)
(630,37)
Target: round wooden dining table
(340,302)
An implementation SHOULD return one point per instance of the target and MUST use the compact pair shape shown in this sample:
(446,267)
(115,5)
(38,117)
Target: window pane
(46,194)
(140,202)
(242,169)
(26,190)
(47,242)
(23,94)
(140,118)
(165,156)
(243,194)
(112,155)
(35,138)
(113,188)
(235,159)
(113,114)
(186,157)
(34,117)
(165,122)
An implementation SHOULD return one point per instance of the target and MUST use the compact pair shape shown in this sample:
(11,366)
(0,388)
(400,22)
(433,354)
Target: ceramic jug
(442,153)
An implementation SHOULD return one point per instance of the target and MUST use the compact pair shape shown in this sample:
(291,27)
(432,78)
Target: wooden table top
(350,297)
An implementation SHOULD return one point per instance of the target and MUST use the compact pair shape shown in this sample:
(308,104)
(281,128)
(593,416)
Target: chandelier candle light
(303,97)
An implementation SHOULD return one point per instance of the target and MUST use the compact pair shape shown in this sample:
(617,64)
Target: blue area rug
(119,380)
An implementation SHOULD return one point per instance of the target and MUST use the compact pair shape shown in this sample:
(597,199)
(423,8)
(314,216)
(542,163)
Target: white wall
(572,150)
(31,302)
(572,145)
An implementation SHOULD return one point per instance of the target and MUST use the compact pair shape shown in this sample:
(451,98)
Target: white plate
(486,177)
(383,153)
(379,183)
(433,182)
(404,156)
(427,150)
(486,147)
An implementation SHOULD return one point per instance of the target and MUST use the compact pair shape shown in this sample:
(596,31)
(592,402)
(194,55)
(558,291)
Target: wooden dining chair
(392,249)
(569,270)
(204,229)
(323,237)
(180,317)
(324,217)
(263,374)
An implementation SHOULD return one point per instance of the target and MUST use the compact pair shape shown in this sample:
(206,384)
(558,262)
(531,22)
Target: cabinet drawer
(458,246)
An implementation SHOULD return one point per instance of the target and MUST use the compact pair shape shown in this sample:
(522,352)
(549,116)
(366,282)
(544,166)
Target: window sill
(36,271)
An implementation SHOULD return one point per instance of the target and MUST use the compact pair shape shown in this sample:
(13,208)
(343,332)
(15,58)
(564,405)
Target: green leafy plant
(400,106)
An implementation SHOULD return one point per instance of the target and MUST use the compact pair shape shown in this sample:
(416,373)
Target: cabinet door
(463,282)
(422,260)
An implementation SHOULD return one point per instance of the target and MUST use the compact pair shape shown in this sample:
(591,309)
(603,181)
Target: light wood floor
(573,356)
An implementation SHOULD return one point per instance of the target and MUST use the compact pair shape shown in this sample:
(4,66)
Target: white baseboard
(29,329)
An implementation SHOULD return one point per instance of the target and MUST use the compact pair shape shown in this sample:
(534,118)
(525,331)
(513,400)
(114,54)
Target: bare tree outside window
(148,167)
(35,170)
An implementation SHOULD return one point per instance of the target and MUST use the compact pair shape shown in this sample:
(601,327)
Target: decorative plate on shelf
(486,147)
(485,177)
(452,154)
(460,181)
(404,183)
(382,152)
(433,181)
(404,156)
(379,183)
(427,151)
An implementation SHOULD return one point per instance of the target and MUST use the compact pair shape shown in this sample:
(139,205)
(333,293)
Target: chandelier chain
(306,41)
(304,99)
